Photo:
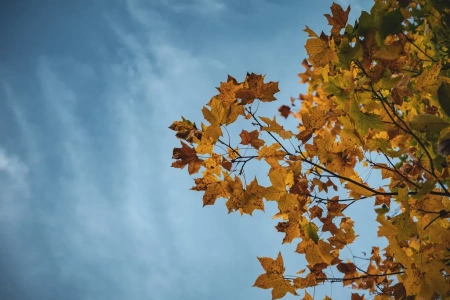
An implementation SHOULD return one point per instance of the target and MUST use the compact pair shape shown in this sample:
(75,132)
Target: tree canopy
(381,85)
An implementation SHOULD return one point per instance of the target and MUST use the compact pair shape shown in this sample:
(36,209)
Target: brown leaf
(339,18)
(255,88)
(346,268)
(285,111)
(251,138)
(357,297)
(186,156)
(227,164)
(315,211)
(186,130)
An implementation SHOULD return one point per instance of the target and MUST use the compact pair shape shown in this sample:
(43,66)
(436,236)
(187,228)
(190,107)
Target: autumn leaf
(307,296)
(356,296)
(428,123)
(245,200)
(186,130)
(346,268)
(376,106)
(228,90)
(212,187)
(251,138)
(443,94)
(284,111)
(338,19)
(222,113)
(273,278)
(321,53)
(186,156)
(255,88)
(316,253)
(277,128)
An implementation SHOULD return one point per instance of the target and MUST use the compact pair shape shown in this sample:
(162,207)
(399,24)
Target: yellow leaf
(277,128)
(321,53)
(273,278)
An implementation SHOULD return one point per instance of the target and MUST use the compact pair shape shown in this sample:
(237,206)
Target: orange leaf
(255,88)
(227,90)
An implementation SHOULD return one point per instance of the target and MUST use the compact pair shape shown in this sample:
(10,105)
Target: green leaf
(348,53)
(365,23)
(382,210)
(427,187)
(311,232)
(365,121)
(391,23)
(443,94)
(428,123)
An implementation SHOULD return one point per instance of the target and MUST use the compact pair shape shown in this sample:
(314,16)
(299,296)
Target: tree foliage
(380,86)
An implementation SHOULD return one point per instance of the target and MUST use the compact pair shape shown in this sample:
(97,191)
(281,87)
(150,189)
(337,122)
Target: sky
(89,205)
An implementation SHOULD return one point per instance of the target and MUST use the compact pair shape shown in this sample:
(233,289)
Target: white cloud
(14,186)
(13,167)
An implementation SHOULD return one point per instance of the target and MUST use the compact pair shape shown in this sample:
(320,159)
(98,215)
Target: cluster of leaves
(380,86)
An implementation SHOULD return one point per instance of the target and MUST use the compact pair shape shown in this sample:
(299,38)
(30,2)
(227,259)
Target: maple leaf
(316,253)
(272,154)
(255,88)
(228,90)
(308,281)
(186,156)
(212,187)
(285,111)
(227,164)
(273,278)
(277,128)
(251,138)
(357,297)
(307,296)
(339,18)
(222,112)
(308,73)
(346,268)
(210,135)
(280,178)
(245,200)
(321,53)
(379,89)
(186,130)
(290,228)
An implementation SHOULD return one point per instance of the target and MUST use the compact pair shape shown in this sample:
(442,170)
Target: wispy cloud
(14,188)
(101,212)
(193,7)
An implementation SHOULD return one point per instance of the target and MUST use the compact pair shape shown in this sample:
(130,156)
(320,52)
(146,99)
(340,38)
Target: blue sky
(89,206)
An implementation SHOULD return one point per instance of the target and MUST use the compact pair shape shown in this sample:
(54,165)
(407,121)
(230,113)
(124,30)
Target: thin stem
(412,43)
(270,133)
